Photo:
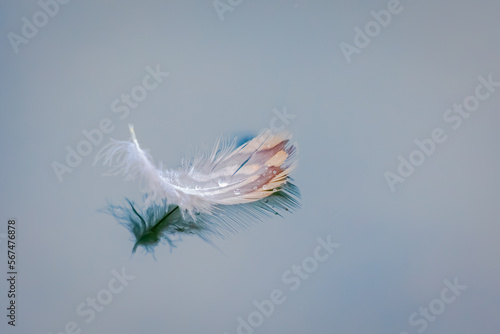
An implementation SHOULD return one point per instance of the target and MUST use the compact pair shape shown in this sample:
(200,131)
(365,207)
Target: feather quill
(211,195)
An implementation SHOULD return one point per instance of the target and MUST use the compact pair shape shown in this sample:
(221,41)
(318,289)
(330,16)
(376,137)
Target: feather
(210,195)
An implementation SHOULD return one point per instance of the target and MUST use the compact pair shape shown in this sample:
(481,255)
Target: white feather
(226,176)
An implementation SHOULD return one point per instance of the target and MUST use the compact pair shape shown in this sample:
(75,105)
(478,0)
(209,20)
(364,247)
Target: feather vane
(211,195)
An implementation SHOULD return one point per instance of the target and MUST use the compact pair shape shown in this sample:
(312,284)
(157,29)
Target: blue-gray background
(352,122)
